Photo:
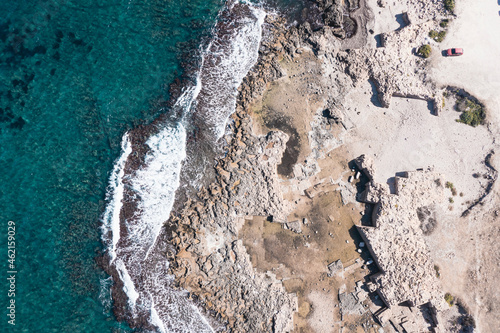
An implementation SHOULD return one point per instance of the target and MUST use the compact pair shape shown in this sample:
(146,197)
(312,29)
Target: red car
(454,52)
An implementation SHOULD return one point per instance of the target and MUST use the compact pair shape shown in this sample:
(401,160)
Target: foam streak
(133,241)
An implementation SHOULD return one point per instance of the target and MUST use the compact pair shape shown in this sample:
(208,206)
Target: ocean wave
(227,60)
(155,319)
(105,294)
(114,197)
(133,240)
(128,284)
(155,184)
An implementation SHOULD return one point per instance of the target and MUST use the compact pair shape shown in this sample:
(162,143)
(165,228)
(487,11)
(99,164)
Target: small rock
(334,268)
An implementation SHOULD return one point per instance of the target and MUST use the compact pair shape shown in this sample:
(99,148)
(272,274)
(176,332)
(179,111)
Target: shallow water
(75,76)
(133,228)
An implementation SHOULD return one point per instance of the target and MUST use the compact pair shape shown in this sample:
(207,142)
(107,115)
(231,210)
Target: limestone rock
(335,268)
(396,241)
(295,226)
(366,165)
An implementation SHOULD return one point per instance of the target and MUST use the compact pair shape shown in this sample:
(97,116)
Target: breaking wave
(134,244)
(227,61)
(114,197)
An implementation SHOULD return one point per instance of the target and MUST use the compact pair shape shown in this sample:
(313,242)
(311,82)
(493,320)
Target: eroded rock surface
(211,262)
(396,241)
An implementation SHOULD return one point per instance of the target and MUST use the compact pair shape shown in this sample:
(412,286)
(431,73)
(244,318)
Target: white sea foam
(105,293)
(172,308)
(224,65)
(114,197)
(156,184)
(128,284)
(155,319)
(187,98)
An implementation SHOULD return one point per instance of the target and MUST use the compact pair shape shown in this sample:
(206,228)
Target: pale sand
(407,137)
(477,31)
(471,264)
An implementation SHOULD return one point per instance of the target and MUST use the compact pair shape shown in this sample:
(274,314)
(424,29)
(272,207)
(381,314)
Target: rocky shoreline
(288,165)
(207,258)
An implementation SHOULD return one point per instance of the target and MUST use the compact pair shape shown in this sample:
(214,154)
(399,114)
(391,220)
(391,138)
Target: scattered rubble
(208,259)
(350,304)
(295,226)
(396,242)
(335,268)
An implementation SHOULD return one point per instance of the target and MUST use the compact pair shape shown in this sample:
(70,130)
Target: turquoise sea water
(74,76)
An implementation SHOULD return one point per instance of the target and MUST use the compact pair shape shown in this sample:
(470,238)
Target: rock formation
(207,258)
(210,261)
(396,240)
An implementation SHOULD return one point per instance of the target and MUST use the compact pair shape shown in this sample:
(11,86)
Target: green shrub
(450,199)
(437,36)
(444,23)
(425,51)
(440,37)
(449,299)
(449,5)
(473,113)
(452,189)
